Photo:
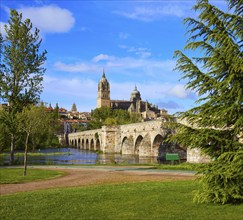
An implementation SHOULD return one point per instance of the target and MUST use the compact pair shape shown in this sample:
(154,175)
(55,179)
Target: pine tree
(215,125)
(21,67)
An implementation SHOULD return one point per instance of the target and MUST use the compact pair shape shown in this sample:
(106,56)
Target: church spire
(103,75)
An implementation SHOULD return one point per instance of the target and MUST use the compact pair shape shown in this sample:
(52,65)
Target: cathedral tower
(103,92)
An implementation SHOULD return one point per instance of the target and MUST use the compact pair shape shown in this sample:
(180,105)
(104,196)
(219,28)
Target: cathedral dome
(135,95)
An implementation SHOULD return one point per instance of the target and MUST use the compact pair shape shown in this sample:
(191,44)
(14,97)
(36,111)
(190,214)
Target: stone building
(135,104)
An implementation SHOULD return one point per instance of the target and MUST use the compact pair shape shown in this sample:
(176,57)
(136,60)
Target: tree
(215,125)
(8,124)
(31,121)
(21,68)
(108,116)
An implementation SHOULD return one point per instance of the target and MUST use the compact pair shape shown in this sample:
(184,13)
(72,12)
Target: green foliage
(215,124)
(149,200)
(222,180)
(108,116)
(21,71)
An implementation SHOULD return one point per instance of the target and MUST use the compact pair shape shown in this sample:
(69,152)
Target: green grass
(181,166)
(15,175)
(150,200)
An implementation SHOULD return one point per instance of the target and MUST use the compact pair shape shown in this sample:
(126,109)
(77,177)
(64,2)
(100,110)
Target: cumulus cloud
(50,18)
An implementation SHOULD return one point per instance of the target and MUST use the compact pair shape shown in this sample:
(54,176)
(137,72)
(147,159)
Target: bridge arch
(97,144)
(158,139)
(145,146)
(82,144)
(92,144)
(79,146)
(138,143)
(127,145)
(87,144)
(75,143)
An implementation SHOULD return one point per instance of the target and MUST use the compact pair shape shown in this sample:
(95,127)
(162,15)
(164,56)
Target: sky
(132,41)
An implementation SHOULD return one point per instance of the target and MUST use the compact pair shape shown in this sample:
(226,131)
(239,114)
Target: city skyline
(133,41)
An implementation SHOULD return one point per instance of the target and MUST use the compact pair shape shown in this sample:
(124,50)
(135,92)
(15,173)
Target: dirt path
(89,176)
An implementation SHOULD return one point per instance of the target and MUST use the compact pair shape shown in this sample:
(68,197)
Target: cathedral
(135,104)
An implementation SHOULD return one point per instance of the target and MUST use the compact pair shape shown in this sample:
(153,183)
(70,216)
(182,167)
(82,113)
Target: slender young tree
(215,125)
(21,66)
(31,121)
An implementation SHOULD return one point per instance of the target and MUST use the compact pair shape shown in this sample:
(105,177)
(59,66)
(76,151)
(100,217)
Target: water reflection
(77,156)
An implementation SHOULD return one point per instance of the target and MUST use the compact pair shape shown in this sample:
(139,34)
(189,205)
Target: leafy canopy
(108,116)
(21,64)
(216,75)
(215,125)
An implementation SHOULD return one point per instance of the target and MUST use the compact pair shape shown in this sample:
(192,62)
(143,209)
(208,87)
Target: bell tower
(103,92)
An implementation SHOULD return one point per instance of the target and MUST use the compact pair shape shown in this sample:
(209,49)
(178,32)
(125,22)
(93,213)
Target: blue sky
(132,40)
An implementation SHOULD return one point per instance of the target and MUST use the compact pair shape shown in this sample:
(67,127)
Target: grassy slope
(158,200)
(15,175)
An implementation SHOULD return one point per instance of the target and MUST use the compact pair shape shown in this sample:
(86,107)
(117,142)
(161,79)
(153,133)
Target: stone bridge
(143,139)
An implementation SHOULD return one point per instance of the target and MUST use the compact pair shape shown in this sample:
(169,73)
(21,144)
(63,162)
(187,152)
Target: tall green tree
(21,67)
(31,120)
(215,125)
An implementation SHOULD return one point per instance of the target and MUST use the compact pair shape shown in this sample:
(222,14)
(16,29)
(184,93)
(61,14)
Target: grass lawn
(150,200)
(15,175)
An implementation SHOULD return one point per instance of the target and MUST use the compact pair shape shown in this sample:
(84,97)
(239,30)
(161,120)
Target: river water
(77,156)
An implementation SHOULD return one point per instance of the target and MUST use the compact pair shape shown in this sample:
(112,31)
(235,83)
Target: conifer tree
(215,125)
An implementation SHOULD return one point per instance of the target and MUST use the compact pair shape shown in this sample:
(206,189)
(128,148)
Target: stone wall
(196,156)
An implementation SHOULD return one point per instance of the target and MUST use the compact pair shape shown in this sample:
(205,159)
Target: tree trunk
(25,154)
(12,149)
(33,143)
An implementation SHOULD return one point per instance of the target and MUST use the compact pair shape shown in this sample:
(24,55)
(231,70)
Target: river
(77,156)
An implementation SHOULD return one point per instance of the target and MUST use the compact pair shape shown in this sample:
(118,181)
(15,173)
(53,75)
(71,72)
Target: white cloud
(150,13)
(2,29)
(75,68)
(70,87)
(122,66)
(140,51)
(178,91)
(65,91)
(102,57)
(49,19)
